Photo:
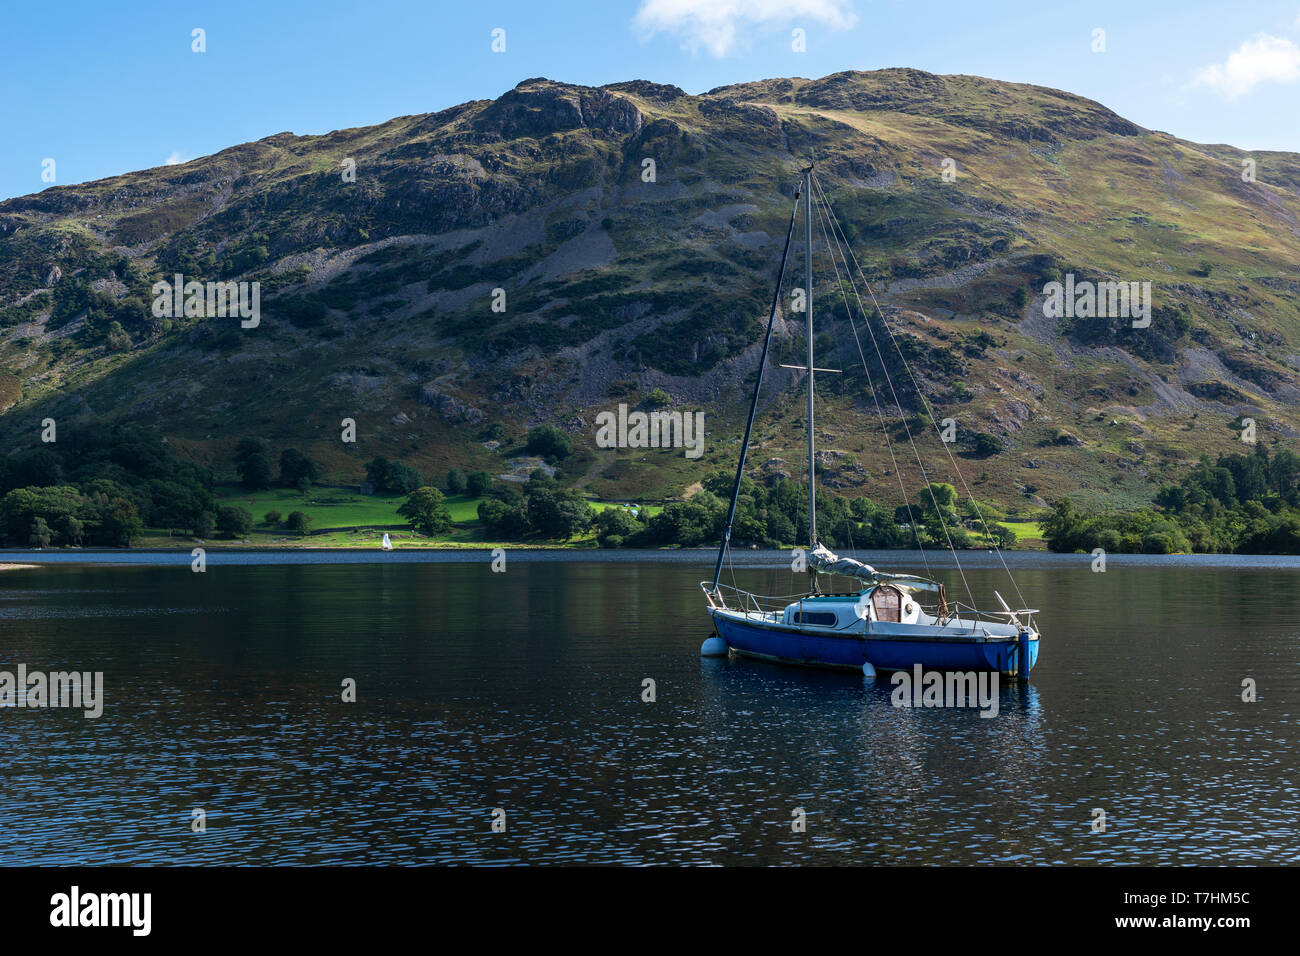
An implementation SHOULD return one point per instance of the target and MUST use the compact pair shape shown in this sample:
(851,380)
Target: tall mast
(808,304)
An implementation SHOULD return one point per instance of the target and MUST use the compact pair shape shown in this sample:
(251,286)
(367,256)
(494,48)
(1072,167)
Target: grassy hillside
(377,293)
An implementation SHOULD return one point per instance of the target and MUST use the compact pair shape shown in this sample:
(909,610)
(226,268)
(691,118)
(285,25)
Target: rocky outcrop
(450,409)
(539,108)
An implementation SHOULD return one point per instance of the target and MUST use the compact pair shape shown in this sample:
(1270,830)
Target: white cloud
(715,24)
(1261,59)
(175,159)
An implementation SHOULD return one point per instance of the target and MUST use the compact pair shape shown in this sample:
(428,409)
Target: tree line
(102,486)
(775,515)
(1248,504)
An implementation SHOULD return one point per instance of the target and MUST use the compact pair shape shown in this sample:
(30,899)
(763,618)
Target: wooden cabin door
(886,602)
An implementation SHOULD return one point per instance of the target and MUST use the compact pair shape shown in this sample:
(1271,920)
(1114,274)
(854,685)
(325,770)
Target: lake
(522,692)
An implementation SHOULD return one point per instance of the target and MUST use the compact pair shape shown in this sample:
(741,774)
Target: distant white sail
(387,545)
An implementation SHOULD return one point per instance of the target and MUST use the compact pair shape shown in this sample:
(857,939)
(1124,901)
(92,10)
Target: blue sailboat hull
(884,654)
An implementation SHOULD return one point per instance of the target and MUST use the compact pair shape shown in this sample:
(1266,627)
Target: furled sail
(828,562)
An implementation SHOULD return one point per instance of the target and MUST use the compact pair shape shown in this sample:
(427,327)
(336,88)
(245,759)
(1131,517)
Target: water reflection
(523,692)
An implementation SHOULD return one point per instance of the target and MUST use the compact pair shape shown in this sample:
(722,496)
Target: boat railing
(723,597)
(966,612)
(728,598)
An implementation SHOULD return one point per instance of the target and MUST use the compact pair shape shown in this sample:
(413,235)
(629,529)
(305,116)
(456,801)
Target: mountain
(378,251)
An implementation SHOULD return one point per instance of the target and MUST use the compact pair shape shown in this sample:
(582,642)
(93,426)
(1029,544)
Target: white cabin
(883,603)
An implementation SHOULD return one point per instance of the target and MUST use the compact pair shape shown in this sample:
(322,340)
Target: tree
(253,463)
(959,537)
(295,466)
(377,473)
(234,521)
(937,506)
(986,444)
(393,476)
(116,338)
(477,484)
(614,526)
(40,534)
(455,482)
(688,523)
(549,442)
(1062,529)
(426,510)
(558,514)
(907,514)
(271,518)
(297,522)
(23,506)
(119,523)
(72,529)
(205,524)
(1002,537)
(42,468)
(402,479)
(780,529)
(503,519)
(539,480)
(175,503)
(979,512)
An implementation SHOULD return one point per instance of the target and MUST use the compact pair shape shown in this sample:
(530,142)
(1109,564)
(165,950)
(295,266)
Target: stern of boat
(1024,656)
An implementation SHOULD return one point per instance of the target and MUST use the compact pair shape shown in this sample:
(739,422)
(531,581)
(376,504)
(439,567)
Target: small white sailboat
(387,545)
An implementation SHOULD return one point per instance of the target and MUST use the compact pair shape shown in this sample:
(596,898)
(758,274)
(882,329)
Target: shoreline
(702,558)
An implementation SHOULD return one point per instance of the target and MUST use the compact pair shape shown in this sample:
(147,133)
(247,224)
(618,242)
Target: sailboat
(386,545)
(883,621)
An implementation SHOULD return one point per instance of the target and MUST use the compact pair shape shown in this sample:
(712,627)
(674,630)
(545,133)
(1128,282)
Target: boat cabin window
(885,601)
(823,618)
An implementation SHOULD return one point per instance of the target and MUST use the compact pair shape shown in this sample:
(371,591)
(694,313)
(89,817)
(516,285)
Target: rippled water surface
(523,691)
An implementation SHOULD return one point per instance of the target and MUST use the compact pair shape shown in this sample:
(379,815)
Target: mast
(808,304)
(758,385)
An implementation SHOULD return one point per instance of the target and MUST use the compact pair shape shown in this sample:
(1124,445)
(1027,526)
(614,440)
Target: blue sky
(108,87)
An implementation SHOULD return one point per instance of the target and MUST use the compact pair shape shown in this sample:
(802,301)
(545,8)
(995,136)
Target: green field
(327,507)
(353,520)
(1024,530)
(336,507)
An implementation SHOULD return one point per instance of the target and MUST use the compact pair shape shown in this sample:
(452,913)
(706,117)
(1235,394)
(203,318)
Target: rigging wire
(929,409)
(906,428)
(884,430)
